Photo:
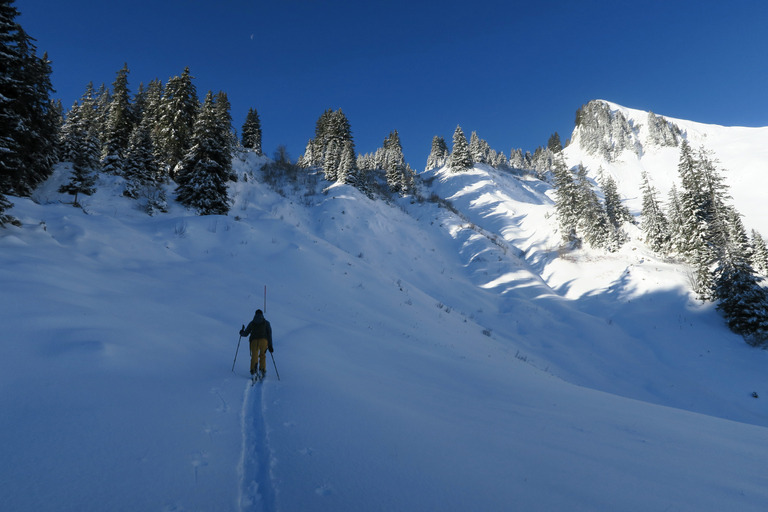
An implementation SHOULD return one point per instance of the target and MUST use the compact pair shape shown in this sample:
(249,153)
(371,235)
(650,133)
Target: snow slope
(429,359)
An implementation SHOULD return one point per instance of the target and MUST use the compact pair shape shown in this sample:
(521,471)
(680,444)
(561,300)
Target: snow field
(428,361)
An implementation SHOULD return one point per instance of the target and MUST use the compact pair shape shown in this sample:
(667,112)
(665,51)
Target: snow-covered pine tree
(741,298)
(176,124)
(202,175)
(224,130)
(675,221)
(120,123)
(617,211)
(722,229)
(348,171)
(517,159)
(86,159)
(567,206)
(27,125)
(692,204)
(101,101)
(438,156)
(743,301)
(759,254)
(68,134)
(332,159)
(499,160)
(594,223)
(142,171)
(654,223)
(251,133)
(146,106)
(479,149)
(460,159)
(394,163)
(541,162)
(306,160)
(332,131)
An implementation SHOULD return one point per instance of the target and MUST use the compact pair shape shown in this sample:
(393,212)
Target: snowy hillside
(742,154)
(430,358)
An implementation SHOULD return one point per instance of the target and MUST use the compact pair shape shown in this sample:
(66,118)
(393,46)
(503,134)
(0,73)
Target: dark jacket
(259,327)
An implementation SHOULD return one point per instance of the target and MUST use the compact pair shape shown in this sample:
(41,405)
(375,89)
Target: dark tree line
(28,118)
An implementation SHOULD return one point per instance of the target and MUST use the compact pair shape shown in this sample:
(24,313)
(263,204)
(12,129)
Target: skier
(260,332)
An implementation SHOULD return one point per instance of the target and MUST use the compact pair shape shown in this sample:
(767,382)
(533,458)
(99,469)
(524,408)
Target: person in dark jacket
(259,332)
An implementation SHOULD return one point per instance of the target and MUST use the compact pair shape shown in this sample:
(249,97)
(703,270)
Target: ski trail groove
(257,493)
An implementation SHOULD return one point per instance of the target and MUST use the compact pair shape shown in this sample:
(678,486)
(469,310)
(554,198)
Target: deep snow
(428,360)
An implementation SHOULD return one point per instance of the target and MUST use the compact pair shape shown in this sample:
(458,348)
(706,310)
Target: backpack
(259,331)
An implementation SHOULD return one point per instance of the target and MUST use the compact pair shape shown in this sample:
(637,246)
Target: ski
(257,377)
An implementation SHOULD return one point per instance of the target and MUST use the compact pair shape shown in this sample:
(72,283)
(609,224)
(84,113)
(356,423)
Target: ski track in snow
(257,493)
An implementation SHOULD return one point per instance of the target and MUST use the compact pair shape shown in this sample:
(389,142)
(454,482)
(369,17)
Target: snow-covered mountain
(635,147)
(439,354)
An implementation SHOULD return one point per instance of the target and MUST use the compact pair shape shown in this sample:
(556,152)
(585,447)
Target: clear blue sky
(515,72)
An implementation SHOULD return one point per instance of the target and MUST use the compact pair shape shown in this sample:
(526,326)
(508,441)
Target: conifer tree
(309,157)
(119,124)
(27,124)
(741,298)
(332,159)
(251,138)
(332,131)
(147,105)
(593,220)
(348,170)
(554,144)
(675,222)
(142,173)
(394,162)
(68,134)
(759,254)
(101,101)
(477,149)
(654,223)
(460,159)
(86,159)
(695,216)
(617,212)
(692,199)
(225,132)
(719,224)
(438,156)
(176,124)
(743,301)
(567,205)
(203,173)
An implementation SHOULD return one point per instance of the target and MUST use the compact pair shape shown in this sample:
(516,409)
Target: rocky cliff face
(606,132)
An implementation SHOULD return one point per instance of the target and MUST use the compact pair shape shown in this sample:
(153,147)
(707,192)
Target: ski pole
(273,363)
(236,351)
